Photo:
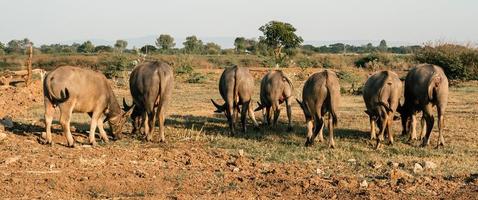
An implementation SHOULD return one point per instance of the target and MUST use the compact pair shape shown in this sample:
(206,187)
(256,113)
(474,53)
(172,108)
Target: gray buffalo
(236,86)
(151,86)
(74,89)
(276,88)
(425,86)
(381,94)
(321,95)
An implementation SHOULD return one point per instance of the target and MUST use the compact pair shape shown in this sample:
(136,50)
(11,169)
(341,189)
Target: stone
(241,153)
(236,169)
(2,136)
(417,168)
(7,122)
(364,184)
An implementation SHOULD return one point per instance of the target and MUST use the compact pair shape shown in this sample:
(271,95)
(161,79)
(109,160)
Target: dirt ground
(201,161)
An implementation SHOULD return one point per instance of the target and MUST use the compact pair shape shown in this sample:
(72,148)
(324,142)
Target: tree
(18,46)
(103,48)
(212,48)
(279,35)
(192,45)
(165,42)
(86,47)
(383,46)
(240,44)
(2,48)
(148,49)
(121,45)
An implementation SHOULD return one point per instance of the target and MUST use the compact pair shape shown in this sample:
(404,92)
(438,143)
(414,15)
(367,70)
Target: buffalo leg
(252,116)
(331,132)
(268,115)
(276,109)
(245,107)
(161,124)
(147,126)
(373,134)
(49,111)
(66,111)
(441,120)
(427,113)
(102,131)
(382,125)
(289,113)
(319,129)
(310,126)
(388,129)
(413,135)
(231,117)
(424,128)
(94,122)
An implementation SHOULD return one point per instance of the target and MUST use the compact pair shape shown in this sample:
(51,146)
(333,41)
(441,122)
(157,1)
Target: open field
(201,161)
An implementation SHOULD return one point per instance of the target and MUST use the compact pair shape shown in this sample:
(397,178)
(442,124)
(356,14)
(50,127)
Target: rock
(319,171)
(351,160)
(364,184)
(236,169)
(375,164)
(399,176)
(417,168)
(7,122)
(2,136)
(393,164)
(429,165)
(241,153)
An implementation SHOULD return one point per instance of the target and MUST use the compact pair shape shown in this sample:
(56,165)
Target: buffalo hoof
(71,145)
(309,143)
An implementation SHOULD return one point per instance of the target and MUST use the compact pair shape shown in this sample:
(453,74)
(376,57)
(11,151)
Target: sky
(409,21)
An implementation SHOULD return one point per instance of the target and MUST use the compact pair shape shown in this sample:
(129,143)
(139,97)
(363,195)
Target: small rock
(417,168)
(241,153)
(84,178)
(236,169)
(429,165)
(364,184)
(393,164)
(7,122)
(351,160)
(375,165)
(2,136)
(319,171)
(399,176)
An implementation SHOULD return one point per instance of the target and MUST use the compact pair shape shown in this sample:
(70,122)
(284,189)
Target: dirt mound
(16,101)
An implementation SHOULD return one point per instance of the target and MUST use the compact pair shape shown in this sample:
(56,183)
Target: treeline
(165,44)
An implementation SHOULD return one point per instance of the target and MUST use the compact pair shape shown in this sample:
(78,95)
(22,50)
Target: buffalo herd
(75,89)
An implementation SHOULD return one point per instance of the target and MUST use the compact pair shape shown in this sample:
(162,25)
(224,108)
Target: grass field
(201,160)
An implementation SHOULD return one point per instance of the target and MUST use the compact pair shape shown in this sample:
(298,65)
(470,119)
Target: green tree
(192,45)
(240,44)
(212,48)
(2,48)
(279,35)
(165,42)
(383,46)
(103,48)
(147,49)
(121,45)
(86,47)
(18,46)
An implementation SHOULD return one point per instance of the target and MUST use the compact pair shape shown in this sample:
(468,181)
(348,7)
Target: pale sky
(417,21)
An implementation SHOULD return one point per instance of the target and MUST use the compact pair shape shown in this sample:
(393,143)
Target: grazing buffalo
(276,88)
(74,89)
(236,86)
(381,94)
(151,85)
(425,86)
(321,95)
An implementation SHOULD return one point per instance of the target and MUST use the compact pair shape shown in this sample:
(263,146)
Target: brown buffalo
(236,86)
(321,95)
(151,86)
(74,89)
(276,88)
(381,94)
(425,86)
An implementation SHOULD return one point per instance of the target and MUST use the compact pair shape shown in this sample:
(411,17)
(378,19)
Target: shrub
(458,62)
(372,60)
(196,77)
(114,66)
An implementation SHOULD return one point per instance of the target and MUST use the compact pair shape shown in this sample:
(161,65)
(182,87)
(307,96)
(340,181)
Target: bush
(196,77)
(372,61)
(114,66)
(458,62)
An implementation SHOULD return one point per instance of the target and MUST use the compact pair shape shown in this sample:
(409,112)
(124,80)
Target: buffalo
(236,86)
(320,95)
(276,88)
(426,86)
(74,89)
(151,85)
(381,94)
